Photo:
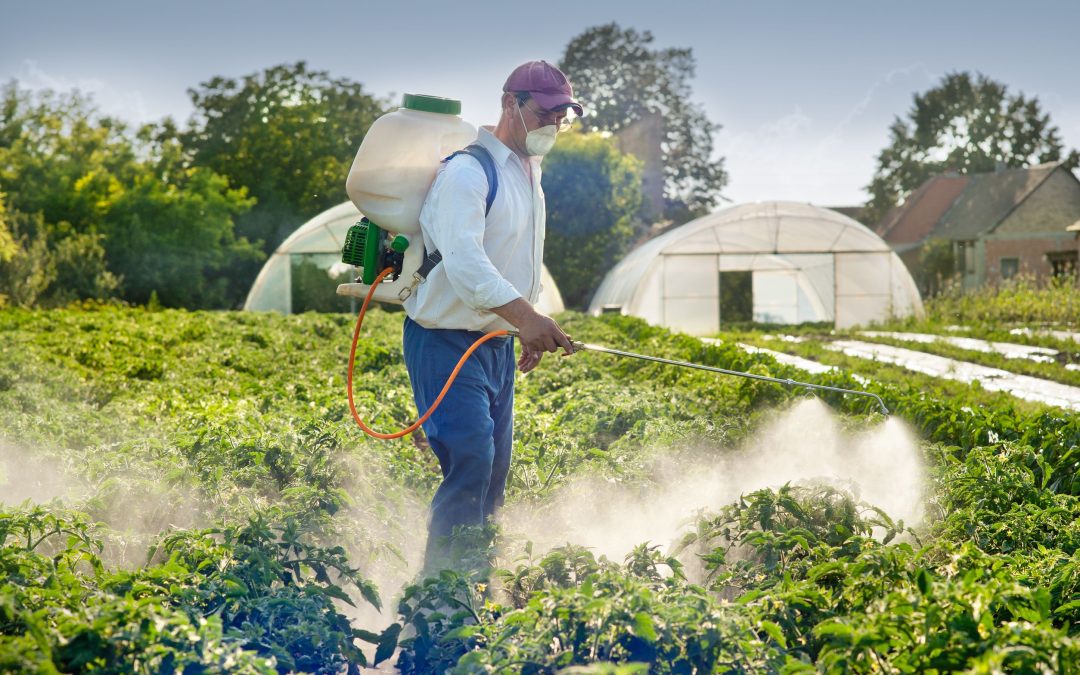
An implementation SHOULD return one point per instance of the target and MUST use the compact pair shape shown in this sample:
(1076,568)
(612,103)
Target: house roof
(989,198)
(920,213)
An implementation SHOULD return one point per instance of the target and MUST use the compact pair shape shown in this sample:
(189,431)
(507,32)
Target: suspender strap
(430,261)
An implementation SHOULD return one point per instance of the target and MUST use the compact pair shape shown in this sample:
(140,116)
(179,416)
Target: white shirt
(487,262)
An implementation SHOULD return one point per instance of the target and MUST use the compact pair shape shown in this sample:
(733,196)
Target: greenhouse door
(736,297)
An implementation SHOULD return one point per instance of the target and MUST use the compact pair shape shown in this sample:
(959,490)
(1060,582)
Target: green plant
(239,418)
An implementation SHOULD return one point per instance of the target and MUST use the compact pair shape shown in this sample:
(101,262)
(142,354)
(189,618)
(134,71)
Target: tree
(593,192)
(101,210)
(288,135)
(59,158)
(967,124)
(8,247)
(621,79)
(34,273)
(58,161)
(171,231)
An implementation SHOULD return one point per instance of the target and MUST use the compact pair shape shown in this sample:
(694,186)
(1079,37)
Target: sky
(804,91)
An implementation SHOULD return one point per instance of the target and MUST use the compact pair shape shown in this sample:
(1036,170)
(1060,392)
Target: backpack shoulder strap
(487,163)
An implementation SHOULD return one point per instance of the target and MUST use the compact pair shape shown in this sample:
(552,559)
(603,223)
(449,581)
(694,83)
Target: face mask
(539,142)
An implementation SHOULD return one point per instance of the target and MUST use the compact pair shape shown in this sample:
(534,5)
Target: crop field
(187,492)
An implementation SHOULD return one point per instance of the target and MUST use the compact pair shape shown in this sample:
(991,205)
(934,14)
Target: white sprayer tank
(399,156)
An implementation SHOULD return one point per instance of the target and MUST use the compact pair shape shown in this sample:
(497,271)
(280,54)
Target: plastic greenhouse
(305,270)
(767,262)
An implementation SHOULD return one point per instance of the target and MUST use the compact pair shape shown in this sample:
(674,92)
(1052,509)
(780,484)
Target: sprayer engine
(370,248)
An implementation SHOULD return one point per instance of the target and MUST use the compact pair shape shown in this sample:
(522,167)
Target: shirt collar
(499,152)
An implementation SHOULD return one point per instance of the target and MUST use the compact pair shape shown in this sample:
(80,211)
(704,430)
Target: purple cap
(544,82)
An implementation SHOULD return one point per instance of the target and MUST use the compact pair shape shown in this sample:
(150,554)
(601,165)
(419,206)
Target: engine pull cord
(446,387)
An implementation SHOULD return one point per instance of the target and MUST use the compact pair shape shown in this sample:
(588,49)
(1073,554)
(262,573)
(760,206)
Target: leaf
(834,629)
(387,643)
(1067,607)
(462,633)
(825,569)
(420,622)
(643,626)
(775,632)
(370,593)
(749,597)
(366,636)
(923,581)
(336,592)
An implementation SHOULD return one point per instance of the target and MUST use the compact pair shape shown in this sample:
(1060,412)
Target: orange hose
(446,387)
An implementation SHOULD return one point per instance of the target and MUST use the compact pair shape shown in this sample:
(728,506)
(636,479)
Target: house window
(1062,263)
(1009,267)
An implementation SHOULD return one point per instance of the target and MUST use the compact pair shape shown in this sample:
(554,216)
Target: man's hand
(538,333)
(541,334)
(529,359)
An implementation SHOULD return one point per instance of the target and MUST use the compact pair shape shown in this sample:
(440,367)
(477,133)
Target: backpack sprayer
(389,180)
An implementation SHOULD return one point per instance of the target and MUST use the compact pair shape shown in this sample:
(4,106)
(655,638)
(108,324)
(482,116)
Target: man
(489,279)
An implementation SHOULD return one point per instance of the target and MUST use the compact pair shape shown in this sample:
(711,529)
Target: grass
(1021,301)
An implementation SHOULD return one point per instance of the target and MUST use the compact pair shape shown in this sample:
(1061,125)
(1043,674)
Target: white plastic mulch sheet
(1007,349)
(992,379)
(789,360)
(809,366)
(1056,334)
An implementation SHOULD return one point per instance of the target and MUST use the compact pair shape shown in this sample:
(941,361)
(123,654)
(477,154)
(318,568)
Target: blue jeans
(471,432)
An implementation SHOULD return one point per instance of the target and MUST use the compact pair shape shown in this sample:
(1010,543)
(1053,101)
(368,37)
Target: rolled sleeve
(494,294)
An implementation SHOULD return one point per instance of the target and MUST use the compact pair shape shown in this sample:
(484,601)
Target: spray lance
(583,346)
(577,346)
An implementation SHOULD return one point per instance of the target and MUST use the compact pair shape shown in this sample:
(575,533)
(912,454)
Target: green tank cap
(435,104)
(400,243)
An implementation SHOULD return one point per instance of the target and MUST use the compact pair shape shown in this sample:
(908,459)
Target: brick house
(997,224)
